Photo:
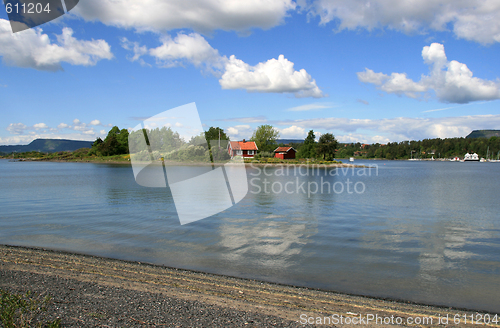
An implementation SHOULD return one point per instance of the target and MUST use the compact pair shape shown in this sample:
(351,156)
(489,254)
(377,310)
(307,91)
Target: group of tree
(168,144)
(115,143)
(266,136)
(427,148)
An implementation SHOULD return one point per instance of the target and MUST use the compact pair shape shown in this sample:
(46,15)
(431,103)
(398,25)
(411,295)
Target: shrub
(18,310)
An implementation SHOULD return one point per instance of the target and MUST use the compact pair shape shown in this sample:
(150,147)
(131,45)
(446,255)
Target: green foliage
(308,148)
(189,153)
(18,310)
(427,148)
(326,146)
(264,154)
(213,134)
(115,143)
(265,137)
(220,154)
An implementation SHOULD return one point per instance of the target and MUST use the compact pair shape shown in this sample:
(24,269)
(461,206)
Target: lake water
(419,231)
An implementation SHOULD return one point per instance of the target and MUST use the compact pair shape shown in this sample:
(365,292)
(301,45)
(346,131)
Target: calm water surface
(421,231)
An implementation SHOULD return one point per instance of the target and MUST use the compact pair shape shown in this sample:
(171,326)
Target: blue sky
(367,71)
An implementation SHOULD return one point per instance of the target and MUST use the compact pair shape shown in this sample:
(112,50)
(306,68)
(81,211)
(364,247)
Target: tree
(326,146)
(265,137)
(213,134)
(308,149)
(115,143)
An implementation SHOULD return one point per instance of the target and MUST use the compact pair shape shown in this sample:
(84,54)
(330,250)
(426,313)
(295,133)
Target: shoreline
(314,165)
(91,290)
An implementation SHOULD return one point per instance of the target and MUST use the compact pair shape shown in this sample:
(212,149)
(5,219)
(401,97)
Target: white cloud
(192,48)
(275,75)
(33,49)
(401,128)
(310,107)
(358,137)
(239,132)
(451,81)
(62,126)
(40,126)
(199,15)
(16,128)
(475,20)
(79,126)
(137,49)
(103,132)
(95,122)
(293,132)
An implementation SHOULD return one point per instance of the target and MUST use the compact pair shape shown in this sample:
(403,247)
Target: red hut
(285,152)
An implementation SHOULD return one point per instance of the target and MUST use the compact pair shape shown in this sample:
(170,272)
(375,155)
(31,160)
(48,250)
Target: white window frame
(239,152)
(250,152)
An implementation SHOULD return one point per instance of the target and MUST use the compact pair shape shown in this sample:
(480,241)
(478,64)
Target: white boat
(455,159)
(351,159)
(495,160)
(471,157)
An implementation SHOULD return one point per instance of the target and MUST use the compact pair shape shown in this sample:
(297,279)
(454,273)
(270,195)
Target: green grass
(274,160)
(24,310)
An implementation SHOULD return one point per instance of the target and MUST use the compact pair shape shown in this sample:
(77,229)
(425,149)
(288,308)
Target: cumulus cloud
(62,126)
(95,122)
(475,20)
(294,132)
(33,49)
(275,75)
(16,128)
(40,126)
(451,81)
(137,49)
(239,132)
(192,48)
(401,128)
(199,15)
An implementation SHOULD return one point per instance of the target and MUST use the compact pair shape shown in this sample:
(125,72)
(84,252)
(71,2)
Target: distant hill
(289,141)
(484,134)
(47,146)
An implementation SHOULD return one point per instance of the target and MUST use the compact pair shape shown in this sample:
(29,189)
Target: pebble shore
(91,291)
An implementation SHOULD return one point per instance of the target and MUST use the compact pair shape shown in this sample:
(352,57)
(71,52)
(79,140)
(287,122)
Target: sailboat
(487,159)
(496,160)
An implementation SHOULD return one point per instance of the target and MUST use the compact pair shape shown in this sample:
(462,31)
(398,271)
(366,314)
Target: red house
(285,153)
(242,148)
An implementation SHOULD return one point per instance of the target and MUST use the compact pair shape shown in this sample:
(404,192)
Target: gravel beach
(91,291)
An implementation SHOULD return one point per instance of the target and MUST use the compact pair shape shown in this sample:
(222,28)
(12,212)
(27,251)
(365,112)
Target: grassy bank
(80,155)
